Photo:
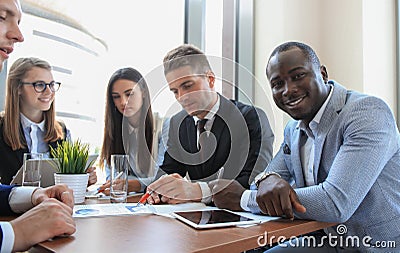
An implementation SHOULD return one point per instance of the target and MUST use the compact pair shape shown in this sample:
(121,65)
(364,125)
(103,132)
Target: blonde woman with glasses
(28,123)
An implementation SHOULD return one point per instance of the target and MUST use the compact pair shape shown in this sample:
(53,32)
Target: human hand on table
(60,192)
(48,219)
(276,197)
(227,193)
(92,175)
(133,186)
(173,189)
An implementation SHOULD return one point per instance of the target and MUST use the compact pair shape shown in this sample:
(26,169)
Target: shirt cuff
(244,200)
(205,193)
(8,237)
(21,199)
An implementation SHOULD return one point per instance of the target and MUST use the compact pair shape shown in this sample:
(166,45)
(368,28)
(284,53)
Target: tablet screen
(213,218)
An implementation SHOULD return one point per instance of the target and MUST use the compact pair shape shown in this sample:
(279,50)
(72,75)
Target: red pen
(99,190)
(144,198)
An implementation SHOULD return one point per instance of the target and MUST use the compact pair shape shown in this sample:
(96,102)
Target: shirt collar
(27,123)
(318,116)
(212,112)
(132,129)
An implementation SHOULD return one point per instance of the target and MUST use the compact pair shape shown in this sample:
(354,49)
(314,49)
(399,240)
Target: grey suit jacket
(356,167)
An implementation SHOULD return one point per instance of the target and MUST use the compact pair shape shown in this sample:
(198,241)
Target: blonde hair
(12,131)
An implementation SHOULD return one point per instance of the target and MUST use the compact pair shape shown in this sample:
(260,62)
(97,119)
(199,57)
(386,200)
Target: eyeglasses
(41,86)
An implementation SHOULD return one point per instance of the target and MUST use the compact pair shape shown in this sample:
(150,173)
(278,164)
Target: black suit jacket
(4,204)
(11,161)
(243,139)
(5,208)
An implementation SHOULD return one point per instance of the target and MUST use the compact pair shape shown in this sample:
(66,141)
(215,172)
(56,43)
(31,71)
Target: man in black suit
(237,137)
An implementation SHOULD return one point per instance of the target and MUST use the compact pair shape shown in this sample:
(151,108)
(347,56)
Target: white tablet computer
(213,218)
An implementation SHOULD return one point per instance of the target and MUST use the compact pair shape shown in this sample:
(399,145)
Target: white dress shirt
(205,190)
(34,135)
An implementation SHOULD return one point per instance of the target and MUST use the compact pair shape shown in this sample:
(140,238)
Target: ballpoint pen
(147,194)
(117,177)
(144,198)
(187,177)
(220,173)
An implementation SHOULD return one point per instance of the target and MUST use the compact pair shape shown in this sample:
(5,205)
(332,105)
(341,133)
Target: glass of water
(31,169)
(119,178)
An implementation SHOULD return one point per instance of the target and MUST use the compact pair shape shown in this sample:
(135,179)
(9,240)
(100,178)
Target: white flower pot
(77,182)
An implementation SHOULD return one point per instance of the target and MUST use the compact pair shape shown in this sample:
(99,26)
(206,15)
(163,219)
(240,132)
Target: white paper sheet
(260,217)
(93,210)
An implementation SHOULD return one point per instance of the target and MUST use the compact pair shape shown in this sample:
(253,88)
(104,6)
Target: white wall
(137,34)
(354,39)
(380,50)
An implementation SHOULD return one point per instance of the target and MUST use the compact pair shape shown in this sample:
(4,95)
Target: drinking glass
(119,178)
(31,169)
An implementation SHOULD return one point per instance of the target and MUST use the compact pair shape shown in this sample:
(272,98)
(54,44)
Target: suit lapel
(19,153)
(219,125)
(189,133)
(330,115)
(297,167)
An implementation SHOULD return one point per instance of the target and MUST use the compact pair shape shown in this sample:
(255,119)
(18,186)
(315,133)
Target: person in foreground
(50,216)
(210,133)
(342,152)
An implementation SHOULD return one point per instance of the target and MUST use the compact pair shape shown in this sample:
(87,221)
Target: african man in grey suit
(341,153)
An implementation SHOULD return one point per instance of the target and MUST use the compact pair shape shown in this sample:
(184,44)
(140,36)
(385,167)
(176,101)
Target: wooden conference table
(152,233)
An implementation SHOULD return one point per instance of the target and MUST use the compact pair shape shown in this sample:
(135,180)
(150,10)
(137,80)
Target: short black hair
(307,51)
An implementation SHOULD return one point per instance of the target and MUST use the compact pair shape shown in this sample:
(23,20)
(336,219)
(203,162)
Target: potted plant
(71,167)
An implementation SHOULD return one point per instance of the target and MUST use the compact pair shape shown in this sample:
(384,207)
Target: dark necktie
(200,126)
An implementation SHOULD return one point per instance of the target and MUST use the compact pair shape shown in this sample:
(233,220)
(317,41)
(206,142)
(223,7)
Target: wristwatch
(260,177)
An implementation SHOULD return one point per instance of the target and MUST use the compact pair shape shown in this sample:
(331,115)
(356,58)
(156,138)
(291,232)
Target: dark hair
(307,51)
(113,129)
(186,55)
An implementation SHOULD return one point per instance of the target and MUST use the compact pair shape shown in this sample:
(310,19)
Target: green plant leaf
(71,156)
